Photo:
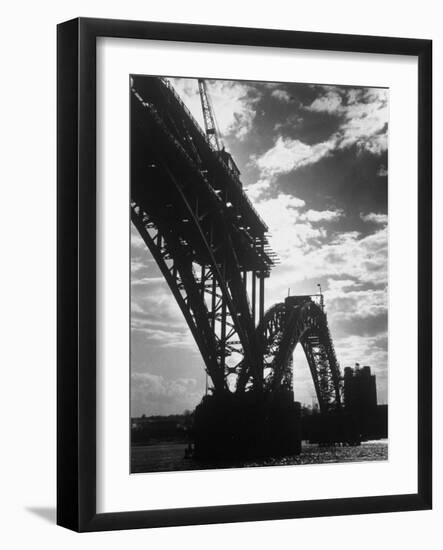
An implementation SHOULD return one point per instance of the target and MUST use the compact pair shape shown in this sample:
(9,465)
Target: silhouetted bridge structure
(210,244)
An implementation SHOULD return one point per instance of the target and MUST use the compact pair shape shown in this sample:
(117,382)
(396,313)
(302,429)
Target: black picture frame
(76,294)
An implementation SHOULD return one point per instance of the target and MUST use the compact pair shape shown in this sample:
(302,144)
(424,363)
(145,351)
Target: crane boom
(208,116)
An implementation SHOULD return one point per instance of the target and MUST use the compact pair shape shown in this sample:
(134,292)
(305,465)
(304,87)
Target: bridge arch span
(300,319)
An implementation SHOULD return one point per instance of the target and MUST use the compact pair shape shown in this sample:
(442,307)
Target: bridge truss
(301,320)
(188,204)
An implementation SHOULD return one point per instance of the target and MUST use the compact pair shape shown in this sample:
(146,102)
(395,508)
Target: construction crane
(213,132)
(208,116)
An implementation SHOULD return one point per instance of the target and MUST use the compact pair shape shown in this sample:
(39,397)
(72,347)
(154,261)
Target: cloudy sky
(313,160)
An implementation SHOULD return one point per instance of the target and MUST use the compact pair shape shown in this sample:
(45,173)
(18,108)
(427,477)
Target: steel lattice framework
(301,320)
(188,204)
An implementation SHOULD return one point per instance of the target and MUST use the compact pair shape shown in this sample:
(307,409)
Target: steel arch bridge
(188,204)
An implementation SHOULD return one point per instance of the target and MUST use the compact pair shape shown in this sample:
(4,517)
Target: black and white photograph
(259,273)
(221,283)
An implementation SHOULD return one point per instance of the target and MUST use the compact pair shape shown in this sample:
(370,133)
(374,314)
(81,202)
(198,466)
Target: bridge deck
(175,135)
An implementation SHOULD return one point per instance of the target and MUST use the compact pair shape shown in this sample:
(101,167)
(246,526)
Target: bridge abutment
(252,425)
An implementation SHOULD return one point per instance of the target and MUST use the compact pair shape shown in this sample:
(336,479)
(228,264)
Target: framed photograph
(244,274)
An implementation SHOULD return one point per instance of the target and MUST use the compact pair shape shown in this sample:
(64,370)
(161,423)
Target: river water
(167,457)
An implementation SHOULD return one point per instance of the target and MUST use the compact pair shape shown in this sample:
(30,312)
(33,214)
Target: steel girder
(184,223)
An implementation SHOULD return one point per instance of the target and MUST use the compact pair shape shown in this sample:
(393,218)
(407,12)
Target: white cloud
(309,253)
(366,350)
(281,95)
(331,102)
(372,217)
(382,171)
(154,394)
(364,258)
(255,190)
(347,301)
(233,104)
(290,234)
(136,265)
(292,121)
(321,215)
(365,118)
(147,280)
(136,241)
(287,155)
(156,314)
